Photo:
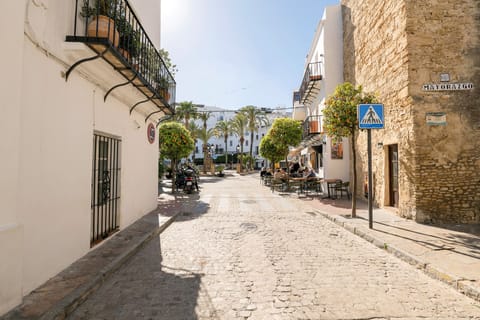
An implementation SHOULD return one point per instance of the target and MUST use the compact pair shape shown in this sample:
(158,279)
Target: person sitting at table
(309,173)
(263,171)
(280,174)
(268,173)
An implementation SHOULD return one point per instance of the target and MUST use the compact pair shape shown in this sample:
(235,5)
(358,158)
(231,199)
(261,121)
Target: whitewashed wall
(11,33)
(148,12)
(45,188)
(327,46)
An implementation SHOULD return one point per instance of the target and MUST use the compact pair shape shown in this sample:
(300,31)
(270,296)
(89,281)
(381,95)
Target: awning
(295,152)
(313,140)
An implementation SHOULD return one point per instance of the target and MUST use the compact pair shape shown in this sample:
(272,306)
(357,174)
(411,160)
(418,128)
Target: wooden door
(393,172)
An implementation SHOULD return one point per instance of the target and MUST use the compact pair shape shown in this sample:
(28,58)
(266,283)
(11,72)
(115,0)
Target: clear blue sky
(233,53)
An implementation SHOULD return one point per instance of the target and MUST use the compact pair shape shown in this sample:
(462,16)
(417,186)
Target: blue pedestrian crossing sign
(370,116)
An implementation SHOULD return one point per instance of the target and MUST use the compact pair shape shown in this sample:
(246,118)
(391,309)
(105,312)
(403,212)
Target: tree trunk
(226,153)
(205,160)
(241,153)
(354,185)
(251,149)
(174,175)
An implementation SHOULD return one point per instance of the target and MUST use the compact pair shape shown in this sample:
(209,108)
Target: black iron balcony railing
(112,30)
(312,125)
(310,86)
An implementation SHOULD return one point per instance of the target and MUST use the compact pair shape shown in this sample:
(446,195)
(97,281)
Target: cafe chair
(341,187)
(277,184)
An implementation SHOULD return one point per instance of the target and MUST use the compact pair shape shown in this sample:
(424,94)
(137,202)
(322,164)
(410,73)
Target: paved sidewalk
(63,293)
(450,253)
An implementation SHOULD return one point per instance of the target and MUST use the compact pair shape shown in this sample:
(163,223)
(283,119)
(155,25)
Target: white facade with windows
(218,143)
(55,134)
(323,72)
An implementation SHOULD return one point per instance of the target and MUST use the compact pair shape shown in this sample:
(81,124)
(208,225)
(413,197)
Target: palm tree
(204,135)
(204,116)
(255,118)
(239,125)
(223,129)
(186,111)
(194,130)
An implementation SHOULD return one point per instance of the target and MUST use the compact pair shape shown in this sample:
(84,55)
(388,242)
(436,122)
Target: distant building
(217,144)
(79,143)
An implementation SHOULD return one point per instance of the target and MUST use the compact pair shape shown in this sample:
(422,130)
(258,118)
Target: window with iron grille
(105,187)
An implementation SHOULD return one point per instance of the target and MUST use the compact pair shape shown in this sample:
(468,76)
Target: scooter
(190,180)
(187,180)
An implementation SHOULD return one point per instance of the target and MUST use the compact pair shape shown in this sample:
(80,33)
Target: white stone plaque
(436,118)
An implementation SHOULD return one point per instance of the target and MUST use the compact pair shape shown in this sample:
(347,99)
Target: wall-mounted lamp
(380,145)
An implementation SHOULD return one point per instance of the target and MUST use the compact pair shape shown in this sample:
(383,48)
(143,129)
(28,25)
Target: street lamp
(239,167)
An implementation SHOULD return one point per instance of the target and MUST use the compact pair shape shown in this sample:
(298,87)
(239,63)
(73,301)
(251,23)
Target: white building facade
(70,150)
(323,72)
(217,144)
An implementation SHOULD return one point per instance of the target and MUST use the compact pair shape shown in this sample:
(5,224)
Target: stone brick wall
(376,57)
(444,37)
(394,47)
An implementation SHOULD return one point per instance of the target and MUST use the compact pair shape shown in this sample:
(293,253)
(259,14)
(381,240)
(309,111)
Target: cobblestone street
(243,252)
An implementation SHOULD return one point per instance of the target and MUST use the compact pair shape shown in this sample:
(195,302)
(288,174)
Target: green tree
(340,120)
(239,125)
(168,62)
(269,150)
(255,119)
(194,130)
(285,133)
(175,143)
(186,111)
(222,129)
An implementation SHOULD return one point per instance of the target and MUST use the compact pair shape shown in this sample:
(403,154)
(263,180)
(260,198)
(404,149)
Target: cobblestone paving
(241,252)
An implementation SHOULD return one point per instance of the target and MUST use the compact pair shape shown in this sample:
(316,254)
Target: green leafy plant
(220,169)
(175,143)
(98,7)
(340,120)
(285,133)
(270,150)
(129,37)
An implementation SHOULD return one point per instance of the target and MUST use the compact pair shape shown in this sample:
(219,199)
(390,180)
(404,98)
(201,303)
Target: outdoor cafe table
(296,181)
(302,182)
(330,185)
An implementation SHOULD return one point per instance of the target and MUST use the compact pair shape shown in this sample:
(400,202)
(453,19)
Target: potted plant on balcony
(99,14)
(162,87)
(129,44)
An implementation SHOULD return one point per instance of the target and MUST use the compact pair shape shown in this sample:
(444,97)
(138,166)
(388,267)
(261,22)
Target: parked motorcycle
(187,180)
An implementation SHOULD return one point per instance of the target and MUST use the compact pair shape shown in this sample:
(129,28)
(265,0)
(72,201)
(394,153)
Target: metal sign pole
(370,180)
(370,116)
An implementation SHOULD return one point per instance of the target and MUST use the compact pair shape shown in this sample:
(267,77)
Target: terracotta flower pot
(125,54)
(106,29)
(165,94)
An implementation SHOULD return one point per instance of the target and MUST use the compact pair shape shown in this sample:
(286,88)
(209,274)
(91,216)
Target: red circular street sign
(151,133)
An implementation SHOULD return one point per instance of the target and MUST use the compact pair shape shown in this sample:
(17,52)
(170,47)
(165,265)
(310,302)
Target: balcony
(312,126)
(296,97)
(310,86)
(112,30)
